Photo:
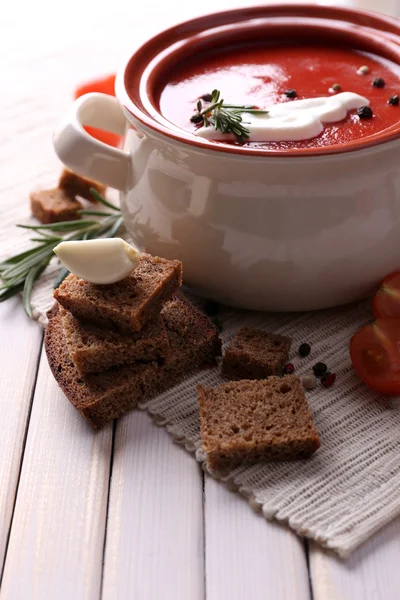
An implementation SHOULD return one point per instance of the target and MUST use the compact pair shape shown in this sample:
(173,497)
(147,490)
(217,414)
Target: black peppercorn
(319,369)
(196,119)
(365,112)
(206,97)
(304,349)
(378,82)
(394,100)
(291,93)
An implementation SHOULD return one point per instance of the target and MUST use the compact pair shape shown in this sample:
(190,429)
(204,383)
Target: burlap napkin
(351,486)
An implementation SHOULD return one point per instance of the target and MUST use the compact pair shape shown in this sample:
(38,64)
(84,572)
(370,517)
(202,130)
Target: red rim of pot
(138,83)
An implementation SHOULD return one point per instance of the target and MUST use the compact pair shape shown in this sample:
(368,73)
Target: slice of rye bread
(102,397)
(255,354)
(76,185)
(53,206)
(128,304)
(94,349)
(248,421)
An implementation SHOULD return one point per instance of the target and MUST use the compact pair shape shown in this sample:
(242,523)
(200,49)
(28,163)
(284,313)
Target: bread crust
(105,396)
(76,185)
(255,354)
(248,421)
(94,349)
(54,206)
(128,304)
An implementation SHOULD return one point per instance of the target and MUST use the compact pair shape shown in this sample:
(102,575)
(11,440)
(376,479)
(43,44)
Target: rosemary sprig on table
(18,273)
(226,118)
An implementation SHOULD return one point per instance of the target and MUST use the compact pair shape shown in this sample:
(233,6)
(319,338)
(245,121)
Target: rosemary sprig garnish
(19,272)
(226,118)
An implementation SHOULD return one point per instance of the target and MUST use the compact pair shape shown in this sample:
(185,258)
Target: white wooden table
(123,513)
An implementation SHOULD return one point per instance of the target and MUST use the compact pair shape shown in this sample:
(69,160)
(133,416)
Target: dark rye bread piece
(255,354)
(76,185)
(248,421)
(128,304)
(102,397)
(94,349)
(53,206)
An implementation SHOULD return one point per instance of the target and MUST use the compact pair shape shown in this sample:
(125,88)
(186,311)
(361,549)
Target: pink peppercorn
(288,369)
(328,379)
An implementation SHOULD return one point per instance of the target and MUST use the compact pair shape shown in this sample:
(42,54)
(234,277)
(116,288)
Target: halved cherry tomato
(375,354)
(386,302)
(104,85)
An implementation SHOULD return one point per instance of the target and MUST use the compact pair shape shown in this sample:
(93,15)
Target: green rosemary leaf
(102,200)
(12,282)
(62,274)
(28,263)
(114,228)
(7,293)
(32,276)
(95,213)
(46,236)
(20,259)
(103,226)
(19,273)
(49,239)
(244,107)
(63,226)
(16,259)
(4,265)
(226,118)
(255,111)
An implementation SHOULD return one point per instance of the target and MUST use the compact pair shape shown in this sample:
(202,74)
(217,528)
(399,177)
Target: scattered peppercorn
(328,379)
(336,87)
(288,369)
(364,70)
(196,119)
(211,307)
(309,382)
(319,369)
(304,349)
(291,93)
(365,112)
(206,97)
(378,82)
(394,100)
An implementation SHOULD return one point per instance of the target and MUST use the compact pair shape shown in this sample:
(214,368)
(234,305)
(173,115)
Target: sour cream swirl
(293,121)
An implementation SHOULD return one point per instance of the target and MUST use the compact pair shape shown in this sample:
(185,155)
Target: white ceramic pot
(255,230)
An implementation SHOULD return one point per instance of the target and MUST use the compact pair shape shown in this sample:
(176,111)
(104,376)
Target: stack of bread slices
(112,346)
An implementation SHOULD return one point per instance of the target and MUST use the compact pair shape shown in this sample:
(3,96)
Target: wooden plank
(370,573)
(154,546)
(57,535)
(247,556)
(20,343)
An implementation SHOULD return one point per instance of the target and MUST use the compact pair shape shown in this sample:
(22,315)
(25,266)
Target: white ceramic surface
(269,233)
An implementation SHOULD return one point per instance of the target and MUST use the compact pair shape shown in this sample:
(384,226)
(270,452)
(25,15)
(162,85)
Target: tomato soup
(270,75)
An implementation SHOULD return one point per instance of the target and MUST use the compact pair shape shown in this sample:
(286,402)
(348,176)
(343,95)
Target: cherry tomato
(386,302)
(104,85)
(375,354)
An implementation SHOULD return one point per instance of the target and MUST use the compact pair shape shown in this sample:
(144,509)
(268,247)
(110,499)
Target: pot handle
(87,156)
